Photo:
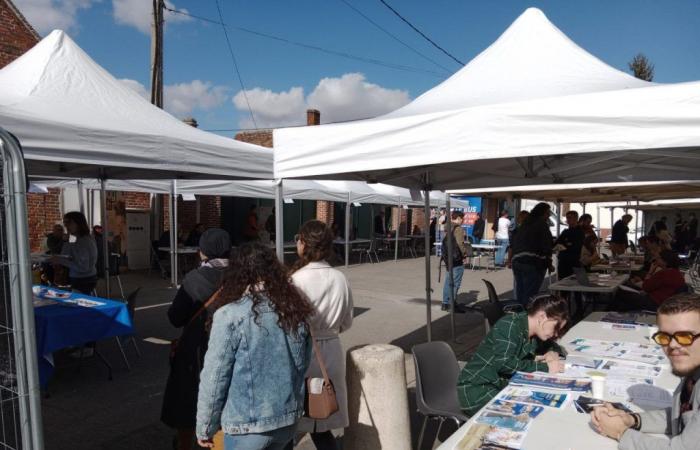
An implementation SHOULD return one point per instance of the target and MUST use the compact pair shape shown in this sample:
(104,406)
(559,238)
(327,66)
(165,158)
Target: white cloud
(339,99)
(47,15)
(184,98)
(139,14)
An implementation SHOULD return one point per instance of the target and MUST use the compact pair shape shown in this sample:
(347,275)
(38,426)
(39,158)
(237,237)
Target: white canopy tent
(565,118)
(74,119)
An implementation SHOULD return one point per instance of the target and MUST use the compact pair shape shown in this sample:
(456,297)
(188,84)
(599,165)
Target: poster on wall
(470,212)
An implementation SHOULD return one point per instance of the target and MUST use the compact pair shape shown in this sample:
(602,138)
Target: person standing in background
(569,242)
(502,237)
(80,257)
(618,241)
(251,231)
(532,253)
(478,229)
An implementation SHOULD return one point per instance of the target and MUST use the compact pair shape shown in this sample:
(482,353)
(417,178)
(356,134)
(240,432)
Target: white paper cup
(598,389)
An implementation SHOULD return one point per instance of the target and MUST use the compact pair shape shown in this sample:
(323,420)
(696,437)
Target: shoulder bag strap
(319,358)
(211,300)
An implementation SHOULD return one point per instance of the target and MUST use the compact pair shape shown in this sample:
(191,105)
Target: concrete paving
(82,409)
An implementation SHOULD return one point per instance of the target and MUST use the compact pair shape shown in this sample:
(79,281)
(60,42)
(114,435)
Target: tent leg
(558,218)
(279,220)
(173,235)
(398,228)
(347,232)
(450,252)
(636,224)
(105,235)
(81,200)
(428,290)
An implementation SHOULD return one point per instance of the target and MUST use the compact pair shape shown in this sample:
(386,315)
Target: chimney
(313,117)
(190,121)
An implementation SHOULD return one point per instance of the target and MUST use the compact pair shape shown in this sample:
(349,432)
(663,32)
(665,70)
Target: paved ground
(83,410)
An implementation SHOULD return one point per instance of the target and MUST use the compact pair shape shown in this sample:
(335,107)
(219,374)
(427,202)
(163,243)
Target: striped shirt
(504,351)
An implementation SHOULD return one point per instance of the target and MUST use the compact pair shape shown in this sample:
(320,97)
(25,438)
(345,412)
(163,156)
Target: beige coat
(328,290)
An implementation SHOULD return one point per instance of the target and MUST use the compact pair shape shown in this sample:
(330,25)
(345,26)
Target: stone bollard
(377,399)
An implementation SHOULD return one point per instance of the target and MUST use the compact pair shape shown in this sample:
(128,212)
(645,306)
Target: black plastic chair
(507,305)
(437,372)
(123,341)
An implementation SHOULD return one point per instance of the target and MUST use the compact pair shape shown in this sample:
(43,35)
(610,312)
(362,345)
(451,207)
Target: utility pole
(157,100)
(157,53)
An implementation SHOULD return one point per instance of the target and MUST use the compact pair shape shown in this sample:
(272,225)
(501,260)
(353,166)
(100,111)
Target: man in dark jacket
(478,229)
(532,253)
(569,244)
(188,312)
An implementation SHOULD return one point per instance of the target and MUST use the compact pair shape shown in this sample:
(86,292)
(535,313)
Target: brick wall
(418,218)
(259,137)
(399,216)
(137,200)
(325,212)
(44,212)
(16,35)
(209,213)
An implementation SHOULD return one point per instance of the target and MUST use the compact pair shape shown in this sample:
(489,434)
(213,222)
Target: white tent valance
(74,119)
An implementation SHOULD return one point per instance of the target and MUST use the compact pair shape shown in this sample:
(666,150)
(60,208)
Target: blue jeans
(273,440)
(528,280)
(457,273)
(500,256)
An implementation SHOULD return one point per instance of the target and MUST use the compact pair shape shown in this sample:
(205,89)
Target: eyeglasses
(684,338)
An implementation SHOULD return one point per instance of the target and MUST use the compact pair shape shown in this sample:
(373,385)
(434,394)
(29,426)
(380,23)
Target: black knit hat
(215,243)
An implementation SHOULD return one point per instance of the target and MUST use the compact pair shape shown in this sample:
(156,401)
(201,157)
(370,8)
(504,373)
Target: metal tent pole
(426,240)
(347,232)
(398,228)
(558,218)
(279,219)
(636,224)
(105,234)
(450,252)
(19,271)
(81,200)
(173,235)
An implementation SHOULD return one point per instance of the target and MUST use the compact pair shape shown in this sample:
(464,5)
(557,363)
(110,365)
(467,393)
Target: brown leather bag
(325,403)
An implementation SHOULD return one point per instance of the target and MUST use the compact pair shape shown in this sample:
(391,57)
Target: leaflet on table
(516,409)
(621,368)
(544,380)
(620,386)
(518,394)
(482,436)
(84,302)
(583,362)
(624,318)
(646,353)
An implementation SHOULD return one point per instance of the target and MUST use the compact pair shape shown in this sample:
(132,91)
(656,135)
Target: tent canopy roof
(634,132)
(75,119)
(594,192)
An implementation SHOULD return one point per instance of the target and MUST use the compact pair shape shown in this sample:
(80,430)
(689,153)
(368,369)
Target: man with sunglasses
(679,329)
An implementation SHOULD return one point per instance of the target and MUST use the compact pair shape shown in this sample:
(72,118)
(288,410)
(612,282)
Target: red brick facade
(137,200)
(16,34)
(44,212)
(325,212)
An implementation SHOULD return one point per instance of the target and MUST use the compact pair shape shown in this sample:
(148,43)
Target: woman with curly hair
(252,382)
(328,291)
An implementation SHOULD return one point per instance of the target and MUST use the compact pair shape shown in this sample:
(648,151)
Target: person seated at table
(517,342)
(194,236)
(53,244)
(569,244)
(80,256)
(589,252)
(585,222)
(188,312)
(678,320)
(663,280)
(532,253)
(618,241)
(652,249)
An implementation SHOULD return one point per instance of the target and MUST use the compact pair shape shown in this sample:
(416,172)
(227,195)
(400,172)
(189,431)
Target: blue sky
(201,81)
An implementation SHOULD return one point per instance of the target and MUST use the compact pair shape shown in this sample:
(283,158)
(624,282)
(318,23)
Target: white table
(568,429)
(628,267)
(606,285)
(488,248)
(351,242)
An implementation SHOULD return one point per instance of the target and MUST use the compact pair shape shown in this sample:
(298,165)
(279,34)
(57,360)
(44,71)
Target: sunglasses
(684,338)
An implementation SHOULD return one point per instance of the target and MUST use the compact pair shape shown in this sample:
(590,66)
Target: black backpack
(457,256)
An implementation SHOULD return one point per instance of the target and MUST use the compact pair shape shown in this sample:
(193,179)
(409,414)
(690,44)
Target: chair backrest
(115,260)
(492,311)
(493,295)
(437,372)
(131,302)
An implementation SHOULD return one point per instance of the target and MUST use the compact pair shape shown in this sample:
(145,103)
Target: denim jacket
(253,375)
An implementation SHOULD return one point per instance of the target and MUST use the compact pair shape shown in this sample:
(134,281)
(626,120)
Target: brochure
(518,394)
(505,437)
(625,369)
(548,381)
(644,353)
(501,420)
(515,409)
(617,317)
(583,362)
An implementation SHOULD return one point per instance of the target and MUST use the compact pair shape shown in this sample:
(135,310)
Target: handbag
(175,342)
(321,403)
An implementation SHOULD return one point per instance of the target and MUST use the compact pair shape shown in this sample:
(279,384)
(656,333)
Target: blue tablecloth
(67,324)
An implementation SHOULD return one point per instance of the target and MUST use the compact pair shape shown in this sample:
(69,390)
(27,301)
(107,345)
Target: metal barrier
(20,396)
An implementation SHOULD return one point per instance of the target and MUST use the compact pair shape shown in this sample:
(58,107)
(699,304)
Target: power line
(420,32)
(349,5)
(314,47)
(235,63)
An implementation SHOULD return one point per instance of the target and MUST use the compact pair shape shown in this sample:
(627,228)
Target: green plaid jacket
(504,351)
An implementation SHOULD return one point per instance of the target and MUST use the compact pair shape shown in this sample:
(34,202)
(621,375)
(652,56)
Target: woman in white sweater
(328,291)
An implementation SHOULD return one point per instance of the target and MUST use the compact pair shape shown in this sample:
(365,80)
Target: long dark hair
(539,212)
(318,243)
(79,219)
(256,269)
